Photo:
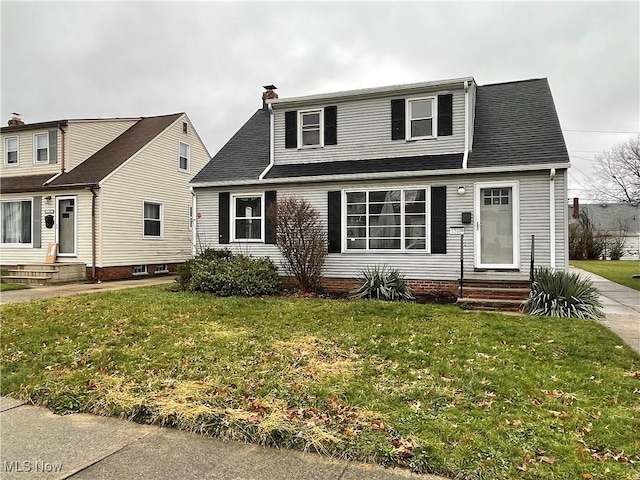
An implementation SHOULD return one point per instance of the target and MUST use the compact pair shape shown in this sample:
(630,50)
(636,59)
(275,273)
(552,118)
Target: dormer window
(311,128)
(11,151)
(420,117)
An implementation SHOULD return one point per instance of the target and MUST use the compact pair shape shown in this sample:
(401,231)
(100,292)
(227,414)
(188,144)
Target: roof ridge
(515,81)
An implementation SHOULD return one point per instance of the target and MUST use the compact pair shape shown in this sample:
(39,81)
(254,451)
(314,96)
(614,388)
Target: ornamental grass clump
(562,294)
(382,283)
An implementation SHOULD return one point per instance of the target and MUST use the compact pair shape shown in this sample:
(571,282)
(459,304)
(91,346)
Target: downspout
(552,217)
(93,234)
(465,157)
(271,143)
(194,223)
(62,163)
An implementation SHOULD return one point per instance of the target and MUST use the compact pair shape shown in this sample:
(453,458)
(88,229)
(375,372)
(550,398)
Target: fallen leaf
(549,460)
(586,476)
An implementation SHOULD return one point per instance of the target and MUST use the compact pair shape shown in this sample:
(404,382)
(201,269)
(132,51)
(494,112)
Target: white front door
(496,213)
(66,226)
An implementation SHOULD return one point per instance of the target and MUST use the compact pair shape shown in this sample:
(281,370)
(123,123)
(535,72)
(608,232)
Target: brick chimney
(268,94)
(15,120)
(576,208)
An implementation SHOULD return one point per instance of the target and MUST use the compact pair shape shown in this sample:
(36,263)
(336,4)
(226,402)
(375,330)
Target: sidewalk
(38,293)
(36,444)
(621,306)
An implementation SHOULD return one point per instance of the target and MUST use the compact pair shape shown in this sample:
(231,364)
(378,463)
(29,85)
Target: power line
(599,131)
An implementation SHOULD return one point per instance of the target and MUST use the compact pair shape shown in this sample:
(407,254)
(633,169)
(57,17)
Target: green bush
(184,270)
(225,274)
(562,294)
(383,284)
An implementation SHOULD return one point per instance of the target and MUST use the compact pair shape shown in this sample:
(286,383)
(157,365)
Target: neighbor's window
(11,149)
(17,221)
(311,128)
(152,220)
(139,269)
(387,219)
(41,148)
(420,113)
(183,160)
(247,217)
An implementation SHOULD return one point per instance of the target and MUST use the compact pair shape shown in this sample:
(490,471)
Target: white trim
(365,93)
(232,218)
(188,157)
(301,113)
(409,119)
(271,143)
(133,270)
(35,148)
(164,270)
(75,224)
(552,218)
(153,237)
(515,212)
(402,249)
(6,152)
(465,156)
(19,245)
(194,230)
(380,176)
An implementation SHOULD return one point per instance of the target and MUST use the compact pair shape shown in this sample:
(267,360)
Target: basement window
(139,269)
(161,268)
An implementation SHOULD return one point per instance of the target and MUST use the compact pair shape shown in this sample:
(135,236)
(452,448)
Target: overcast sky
(64,60)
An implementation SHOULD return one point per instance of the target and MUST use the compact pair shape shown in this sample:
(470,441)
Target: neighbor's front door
(496,225)
(66,230)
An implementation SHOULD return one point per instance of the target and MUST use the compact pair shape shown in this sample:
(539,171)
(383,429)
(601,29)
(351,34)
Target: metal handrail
(461,265)
(533,254)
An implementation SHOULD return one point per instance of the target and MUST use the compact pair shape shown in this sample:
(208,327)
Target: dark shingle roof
(244,157)
(116,152)
(516,124)
(24,183)
(381,165)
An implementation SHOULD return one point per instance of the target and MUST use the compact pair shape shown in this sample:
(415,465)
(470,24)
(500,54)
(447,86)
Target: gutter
(465,157)
(194,223)
(382,176)
(271,143)
(552,217)
(94,276)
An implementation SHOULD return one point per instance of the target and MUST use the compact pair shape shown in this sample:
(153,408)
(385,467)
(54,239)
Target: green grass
(619,271)
(433,388)
(7,287)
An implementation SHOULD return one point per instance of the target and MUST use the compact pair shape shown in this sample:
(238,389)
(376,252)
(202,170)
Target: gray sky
(210,59)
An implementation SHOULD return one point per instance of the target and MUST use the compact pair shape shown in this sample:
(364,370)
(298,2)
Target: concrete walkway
(36,444)
(38,293)
(621,306)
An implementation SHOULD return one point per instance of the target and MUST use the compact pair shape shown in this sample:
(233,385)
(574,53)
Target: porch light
(461,190)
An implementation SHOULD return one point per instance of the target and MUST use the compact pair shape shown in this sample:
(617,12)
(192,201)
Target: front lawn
(619,271)
(435,388)
(7,287)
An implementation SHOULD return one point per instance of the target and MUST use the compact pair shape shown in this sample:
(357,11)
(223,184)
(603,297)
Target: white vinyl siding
(26,164)
(84,138)
(364,132)
(150,176)
(11,151)
(534,220)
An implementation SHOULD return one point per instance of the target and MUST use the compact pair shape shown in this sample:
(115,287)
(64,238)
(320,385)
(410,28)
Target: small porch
(40,274)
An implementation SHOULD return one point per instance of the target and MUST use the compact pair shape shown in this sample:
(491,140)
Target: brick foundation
(126,272)
(419,287)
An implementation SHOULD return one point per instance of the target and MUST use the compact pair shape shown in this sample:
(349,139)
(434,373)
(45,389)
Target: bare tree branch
(616,173)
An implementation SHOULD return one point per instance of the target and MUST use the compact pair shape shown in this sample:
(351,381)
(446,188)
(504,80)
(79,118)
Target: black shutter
(270,227)
(438,219)
(36,233)
(397,119)
(223,218)
(445,115)
(334,233)
(53,146)
(331,125)
(291,129)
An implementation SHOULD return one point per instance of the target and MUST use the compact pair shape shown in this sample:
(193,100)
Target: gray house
(422,177)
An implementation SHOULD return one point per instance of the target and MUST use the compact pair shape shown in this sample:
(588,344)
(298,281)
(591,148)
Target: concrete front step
(41,280)
(492,304)
(64,272)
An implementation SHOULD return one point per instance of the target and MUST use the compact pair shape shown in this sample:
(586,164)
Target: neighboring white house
(399,173)
(112,193)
